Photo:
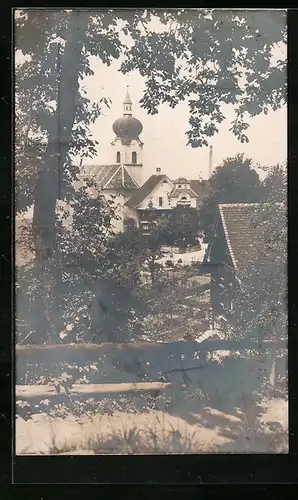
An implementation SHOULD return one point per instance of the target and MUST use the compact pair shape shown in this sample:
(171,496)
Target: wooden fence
(151,359)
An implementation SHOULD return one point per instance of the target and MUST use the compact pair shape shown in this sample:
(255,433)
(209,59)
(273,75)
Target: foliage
(210,58)
(53,110)
(181,227)
(274,186)
(130,253)
(235,181)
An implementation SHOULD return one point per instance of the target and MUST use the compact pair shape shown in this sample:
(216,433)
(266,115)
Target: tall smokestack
(210,160)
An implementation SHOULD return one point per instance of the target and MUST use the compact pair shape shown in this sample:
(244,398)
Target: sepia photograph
(150,160)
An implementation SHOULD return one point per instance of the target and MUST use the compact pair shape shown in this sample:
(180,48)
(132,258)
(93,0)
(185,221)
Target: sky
(163,135)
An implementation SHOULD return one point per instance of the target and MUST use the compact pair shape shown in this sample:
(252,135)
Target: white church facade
(123,179)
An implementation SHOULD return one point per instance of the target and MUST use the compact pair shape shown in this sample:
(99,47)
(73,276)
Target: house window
(183,201)
(179,186)
(133,157)
(118,159)
(160,201)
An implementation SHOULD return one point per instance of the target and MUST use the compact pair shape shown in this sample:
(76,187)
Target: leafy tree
(274,186)
(79,292)
(58,46)
(124,258)
(210,58)
(181,227)
(129,224)
(235,181)
(130,253)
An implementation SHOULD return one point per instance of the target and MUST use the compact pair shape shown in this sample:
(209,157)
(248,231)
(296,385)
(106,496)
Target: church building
(122,179)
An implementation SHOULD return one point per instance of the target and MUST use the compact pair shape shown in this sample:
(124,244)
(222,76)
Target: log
(28,392)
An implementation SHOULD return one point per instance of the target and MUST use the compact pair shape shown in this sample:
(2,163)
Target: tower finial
(127,103)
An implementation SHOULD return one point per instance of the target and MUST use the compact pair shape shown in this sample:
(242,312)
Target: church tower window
(133,157)
(118,159)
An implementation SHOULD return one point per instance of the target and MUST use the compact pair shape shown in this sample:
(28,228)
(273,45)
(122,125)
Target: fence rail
(128,368)
(93,352)
(29,392)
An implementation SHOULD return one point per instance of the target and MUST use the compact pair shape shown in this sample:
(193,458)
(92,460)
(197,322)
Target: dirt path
(209,431)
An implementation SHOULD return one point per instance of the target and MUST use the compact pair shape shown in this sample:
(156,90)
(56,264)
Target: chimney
(210,161)
(158,170)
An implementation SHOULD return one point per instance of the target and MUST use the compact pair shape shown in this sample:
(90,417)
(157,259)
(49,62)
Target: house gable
(150,189)
(218,251)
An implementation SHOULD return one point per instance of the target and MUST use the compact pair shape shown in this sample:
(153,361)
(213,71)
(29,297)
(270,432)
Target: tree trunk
(50,174)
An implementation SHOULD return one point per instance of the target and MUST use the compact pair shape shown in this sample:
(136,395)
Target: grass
(158,440)
(126,441)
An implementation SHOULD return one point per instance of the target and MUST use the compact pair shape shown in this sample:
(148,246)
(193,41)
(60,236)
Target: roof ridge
(108,176)
(130,176)
(240,204)
(227,237)
(146,189)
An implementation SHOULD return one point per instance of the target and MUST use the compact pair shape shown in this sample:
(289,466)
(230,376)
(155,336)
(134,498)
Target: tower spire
(127,104)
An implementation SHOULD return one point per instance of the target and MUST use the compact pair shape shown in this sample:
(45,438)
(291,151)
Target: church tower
(127,147)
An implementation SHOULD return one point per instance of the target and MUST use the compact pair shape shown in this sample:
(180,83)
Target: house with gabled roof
(153,196)
(239,244)
(182,194)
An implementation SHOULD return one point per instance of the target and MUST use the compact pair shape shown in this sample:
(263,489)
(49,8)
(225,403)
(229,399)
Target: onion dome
(127,128)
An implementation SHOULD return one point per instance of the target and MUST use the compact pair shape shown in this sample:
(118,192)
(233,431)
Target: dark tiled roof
(199,187)
(182,180)
(144,191)
(111,176)
(245,233)
(176,192)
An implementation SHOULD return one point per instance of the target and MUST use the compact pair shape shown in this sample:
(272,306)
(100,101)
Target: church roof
(144,191)
(111,176)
